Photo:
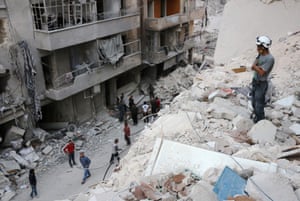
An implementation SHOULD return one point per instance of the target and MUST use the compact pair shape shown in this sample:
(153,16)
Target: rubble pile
(42,151)
(213,115)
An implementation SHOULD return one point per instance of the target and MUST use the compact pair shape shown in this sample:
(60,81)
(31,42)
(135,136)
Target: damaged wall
(238,32)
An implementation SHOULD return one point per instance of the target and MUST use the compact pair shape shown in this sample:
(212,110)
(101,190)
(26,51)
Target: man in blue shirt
(85,162)
(262,67)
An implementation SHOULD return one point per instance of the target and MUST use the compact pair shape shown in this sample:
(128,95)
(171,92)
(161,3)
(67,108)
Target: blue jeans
(33,191)
(86,174)
(259,89)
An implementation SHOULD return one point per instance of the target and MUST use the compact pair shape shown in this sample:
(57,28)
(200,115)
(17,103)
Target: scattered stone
(10,166)
(242,124)
(14,133)
(295,128)
(262,132)
(29,154)
(8,195)
(275,186)
(40,134)
(205,190)
(19,159)
(4,181)
(286,102)
(47,150)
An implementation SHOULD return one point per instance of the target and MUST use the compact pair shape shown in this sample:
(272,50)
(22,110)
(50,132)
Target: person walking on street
(32,181)
(145,108)
(85,162)
(134,114)
(115,151)
(127,133)
(69,149)
(262,67)
(157,101)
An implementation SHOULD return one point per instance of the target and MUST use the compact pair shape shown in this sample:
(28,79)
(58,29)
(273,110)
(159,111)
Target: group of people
(147,109)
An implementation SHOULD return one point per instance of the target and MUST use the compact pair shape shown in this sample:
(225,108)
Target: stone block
(295,128)
(14,133)
(8,195)
(263,132)
(242,124)
(10,166)
(275,186)
(19,159)
(286,102)
(4,181)
(47,150)
(29,154)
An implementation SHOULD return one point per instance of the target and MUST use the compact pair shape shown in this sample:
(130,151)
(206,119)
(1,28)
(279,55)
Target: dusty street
(62,182)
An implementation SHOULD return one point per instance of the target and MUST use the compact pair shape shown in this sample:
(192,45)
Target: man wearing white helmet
(262,67)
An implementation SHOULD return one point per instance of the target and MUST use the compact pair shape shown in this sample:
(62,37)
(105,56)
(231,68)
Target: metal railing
(130,49)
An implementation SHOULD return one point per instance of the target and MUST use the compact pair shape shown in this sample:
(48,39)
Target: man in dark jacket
(85,162)
(32,181)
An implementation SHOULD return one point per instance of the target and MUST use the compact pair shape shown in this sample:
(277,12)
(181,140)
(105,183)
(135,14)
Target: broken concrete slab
(295,128)
(221,113)
(205,190)
(296,111)
(17,144)
(10,166)
(277,187)
(8,195)
(13,133)
(286,102)
(217,93)
(242,124)
(4,181)
(40,133)
(19,159)
(197,160)
(29,154)
(47,150)
(263,132)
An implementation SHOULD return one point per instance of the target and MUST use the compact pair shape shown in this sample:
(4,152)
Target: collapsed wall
(244,20)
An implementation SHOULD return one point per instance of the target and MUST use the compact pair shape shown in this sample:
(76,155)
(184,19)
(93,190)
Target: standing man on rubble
(85,162)
(262,67)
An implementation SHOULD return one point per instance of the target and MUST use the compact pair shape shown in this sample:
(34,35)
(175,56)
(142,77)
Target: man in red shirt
(127,133)
(69,149)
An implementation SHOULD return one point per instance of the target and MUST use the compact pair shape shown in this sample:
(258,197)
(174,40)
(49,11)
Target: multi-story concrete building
(168,31)
(64,60)
(82,52)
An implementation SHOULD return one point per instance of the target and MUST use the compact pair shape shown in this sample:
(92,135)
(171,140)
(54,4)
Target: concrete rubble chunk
(19,159)
(10,166)
(295,128)
(275,186)
(286,102)
(13,133)
(40,133)
(242,124)
(17,144)
(218,93)
(29,154)
(297,192)
(8,195)
(296,111)
(263,132)
(4,181)
(47,150)
(205,190)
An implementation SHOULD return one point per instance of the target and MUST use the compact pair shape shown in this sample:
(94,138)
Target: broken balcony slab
(182,156)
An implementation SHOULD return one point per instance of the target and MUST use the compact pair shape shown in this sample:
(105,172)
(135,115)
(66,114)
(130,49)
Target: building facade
(66,60)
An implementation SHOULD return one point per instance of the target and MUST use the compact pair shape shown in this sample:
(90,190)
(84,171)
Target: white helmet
(264,41)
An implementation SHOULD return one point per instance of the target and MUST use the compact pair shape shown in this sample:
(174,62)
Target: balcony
(91,74)
(53,34)
(158,24)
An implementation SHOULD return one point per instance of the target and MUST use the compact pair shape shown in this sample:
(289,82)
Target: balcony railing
(130,49)
(49,18)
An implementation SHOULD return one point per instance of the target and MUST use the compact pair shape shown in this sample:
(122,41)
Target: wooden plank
(240,69)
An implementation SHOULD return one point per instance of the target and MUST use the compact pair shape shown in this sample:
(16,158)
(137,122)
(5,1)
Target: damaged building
(65,61)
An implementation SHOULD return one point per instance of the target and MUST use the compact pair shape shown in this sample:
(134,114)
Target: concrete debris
(205,190)
(286,102)
(17,144)
(242,124)
(19,159)
(47,150)
(295,128)
(29,154)
(263,132)
(8,195)
(14,133)
(270,186)
(4,181)
(10,167)
(40,134)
